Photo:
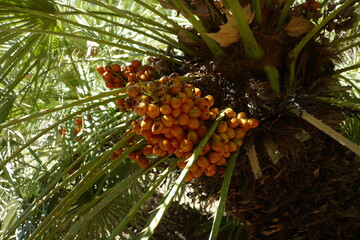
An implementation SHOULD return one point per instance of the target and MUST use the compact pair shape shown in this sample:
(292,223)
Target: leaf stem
(284,13)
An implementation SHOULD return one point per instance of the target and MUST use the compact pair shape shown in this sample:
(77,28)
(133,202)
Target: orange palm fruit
(164,79)
(222,127)
(253,122)
(120,102)
(157,150)
(233,146)
(148,149)
(137,129)
(157,128)
(175,112)
(165,109)
(203,104)
(108,76)
(244,124)
(185,108)
(135,63)
(143,162)
(233,122)
(188,89)
(113,156)
(184,98)
(165,99)
(195,112)
(109,85)
(202,162)
(141,109)
(119,151)
(193,137)
(201,131)
(214,157)
(216,145)
(176,130)
(231,133)
(189,177)
(132,91)
(205,115)
(229,113)
(222,162)
(146,123)
(224,137)
(151,86)
(183,119)
(175,102)
(210,170)
(165,144)
(117,79)
(186,145)
(175,143)
(153,111)
(197,173)
(166,130)
(211,99)
(240,133)
(167,120)
(131,77)
(188,154)
(194,123)
(179,153)
(239,142)
(146,133)
(155,139)
(181,163)
(206,149)
(241,115)
(132,155)
(100,70)
(197,92)
(174,88)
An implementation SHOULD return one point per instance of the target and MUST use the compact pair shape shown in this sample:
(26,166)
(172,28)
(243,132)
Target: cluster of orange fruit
(77,128)
(175,118)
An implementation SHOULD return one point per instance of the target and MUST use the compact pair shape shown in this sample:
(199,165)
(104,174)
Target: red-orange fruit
(203,104)
(146,123)
(175,112)
(161,90)
(157,128)
(131,77)
(194,112)
(143,162)
(62,131)
(117,80)
(183,119)
(214,157)
(137,129)
(155,139)
(77,129)
(157,150)
(233,122)
(229,113)
(174,88)
(206,149)
(132,155)
(202,162)
(186,145)
(153,111)
(147,134)
(115,67)
(185,108)
(175,102)
(201,131)
(233,146)
(216,145)
(166,130)
(110,85)
(184,98)
(222,127)
(151,86)
(141,109)
(79,121)
(224,138)
(231,133)
(181,163)
(120,102)
(194,123)
(165,99)
(244,124)
(193,137)
(100,70)
(164,79)
(241,115)
(107,76)
(240,133)
(132,91)
(165,109)
(179,153)
(211,99)
(253,122)
(113,156)
(197,92)
(135,63)
(119,151)
(210,170)
(167,120)
(197,173)
(194,167)
(189,177)
(165,144)
(222,162)
(205,115)
(176,130)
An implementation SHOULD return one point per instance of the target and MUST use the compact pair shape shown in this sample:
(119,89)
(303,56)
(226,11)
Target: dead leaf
(229,33)
(298,26)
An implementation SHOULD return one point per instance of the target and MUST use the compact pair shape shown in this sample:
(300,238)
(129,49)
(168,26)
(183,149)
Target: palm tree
(293,66)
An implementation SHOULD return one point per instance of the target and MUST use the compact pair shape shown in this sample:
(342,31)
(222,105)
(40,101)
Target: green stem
(223,194)
(349,47)
(340,40)
(296,51)
(274,78)
(356,66)
(214,47)
(284,13)
(256,5)
(252,49)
